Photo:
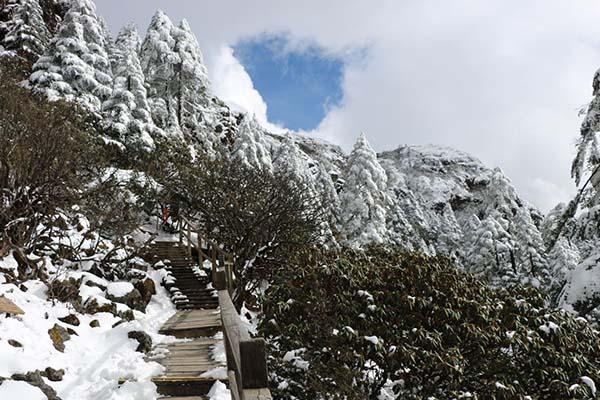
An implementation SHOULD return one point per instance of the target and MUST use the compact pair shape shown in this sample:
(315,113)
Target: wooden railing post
(254,364)
(220,279)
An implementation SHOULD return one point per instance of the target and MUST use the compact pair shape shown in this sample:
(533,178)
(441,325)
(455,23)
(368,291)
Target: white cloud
(501,79)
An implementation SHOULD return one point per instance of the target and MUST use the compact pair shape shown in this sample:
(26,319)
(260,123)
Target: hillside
(406,267)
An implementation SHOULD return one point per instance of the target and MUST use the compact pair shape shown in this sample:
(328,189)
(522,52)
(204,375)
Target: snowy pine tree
(289,159)
(564,257)
(490,253)
(160,61)
(250,147)
(127,113)
(530,255)
(363,199)
(25,31)
(75,65)
(191,77)
(448,233)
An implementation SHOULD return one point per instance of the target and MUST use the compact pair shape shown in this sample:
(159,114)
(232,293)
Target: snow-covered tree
(25,31)
(191,77)
(75,65)
(563,258)
(530,255)
(325,188)
(250,148)
(448,233)
(490,253)
(289,160)
(160,61)
(363,199)
(127,113)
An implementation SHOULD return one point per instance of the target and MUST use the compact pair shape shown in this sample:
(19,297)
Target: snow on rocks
(119,289)
(94,359)
(20,390)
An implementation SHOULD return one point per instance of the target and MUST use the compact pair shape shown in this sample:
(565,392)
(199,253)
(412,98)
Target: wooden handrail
(246,356)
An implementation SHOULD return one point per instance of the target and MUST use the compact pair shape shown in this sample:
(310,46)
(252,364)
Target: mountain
(427,198)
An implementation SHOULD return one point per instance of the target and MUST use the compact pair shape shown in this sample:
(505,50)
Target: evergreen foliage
(387,325)
(363,199)
(25,30)
(76,66)
(126,112)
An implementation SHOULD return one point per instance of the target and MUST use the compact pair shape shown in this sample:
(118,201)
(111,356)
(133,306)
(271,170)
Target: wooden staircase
(191,285)
(198,319)
(205,309)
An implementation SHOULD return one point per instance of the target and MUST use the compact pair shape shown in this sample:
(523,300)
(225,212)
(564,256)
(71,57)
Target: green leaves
(450,333)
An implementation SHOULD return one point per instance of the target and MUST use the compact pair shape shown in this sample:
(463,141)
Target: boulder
(54,375)
(70,319)
(126,293)
(35,379)
(144,340)
(14,343)
(95,323)
(147,289)
(59,336)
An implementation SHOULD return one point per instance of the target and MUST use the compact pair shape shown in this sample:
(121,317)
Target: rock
(59,336)
(70,319)
(72,332)
(127,315)
(91,306)
(14,343)
(54,375)
(122,321)
(95,323)
(144,340)
(23,288)
(147,289)
(126,293)
(35,379)
(91,283)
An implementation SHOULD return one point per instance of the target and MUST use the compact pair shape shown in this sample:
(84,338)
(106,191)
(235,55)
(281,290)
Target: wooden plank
(257,394)
(254,364)
(8,307)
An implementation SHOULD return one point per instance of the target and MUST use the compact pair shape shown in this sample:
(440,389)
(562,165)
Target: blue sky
(299,86)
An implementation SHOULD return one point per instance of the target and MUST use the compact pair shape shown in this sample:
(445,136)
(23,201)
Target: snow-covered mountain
(142,90)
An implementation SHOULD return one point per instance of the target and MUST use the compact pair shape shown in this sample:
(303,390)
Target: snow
(549,327)
(590,383)
(372,339)
(94,359)
(20,390)
(119,289)
(219,392)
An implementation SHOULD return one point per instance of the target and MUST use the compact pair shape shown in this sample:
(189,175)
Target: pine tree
(530,255)
(75,65)
(289,160)
(448,233)
(160,62)
(490,254)
(564,257)
(191,77)
(25,31)
(325,188)
(127,113)
(363,199)
(250,147)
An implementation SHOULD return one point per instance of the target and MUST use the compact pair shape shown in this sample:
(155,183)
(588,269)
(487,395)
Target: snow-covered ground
(94,359)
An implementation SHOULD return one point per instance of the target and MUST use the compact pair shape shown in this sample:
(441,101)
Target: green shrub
(419,328)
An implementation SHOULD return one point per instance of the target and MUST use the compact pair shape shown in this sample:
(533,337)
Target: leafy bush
(359,326)
(47,157)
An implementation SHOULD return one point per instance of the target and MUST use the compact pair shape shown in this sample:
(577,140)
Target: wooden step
(193,324)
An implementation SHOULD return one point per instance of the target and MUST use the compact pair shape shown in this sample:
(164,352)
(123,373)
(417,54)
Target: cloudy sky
(503,80)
